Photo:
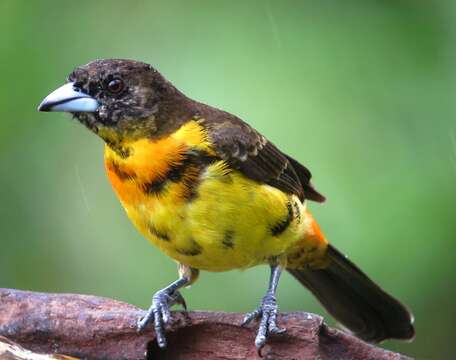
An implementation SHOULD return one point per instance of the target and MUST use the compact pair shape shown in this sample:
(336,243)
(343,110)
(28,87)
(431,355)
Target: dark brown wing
(304,176)
(243,148)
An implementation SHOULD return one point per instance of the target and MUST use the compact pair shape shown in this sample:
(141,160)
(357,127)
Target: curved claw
(251,316)
(267,313)
(272,325)
(274,329)
(178,299)
(142,322)
(160,313)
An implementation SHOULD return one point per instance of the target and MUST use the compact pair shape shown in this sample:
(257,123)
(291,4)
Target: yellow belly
(208,217)
(228,225)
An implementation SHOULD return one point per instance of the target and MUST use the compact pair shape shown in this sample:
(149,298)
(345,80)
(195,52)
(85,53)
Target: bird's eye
(115,86)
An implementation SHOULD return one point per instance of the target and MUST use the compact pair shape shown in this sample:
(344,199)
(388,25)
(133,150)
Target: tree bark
(90,327)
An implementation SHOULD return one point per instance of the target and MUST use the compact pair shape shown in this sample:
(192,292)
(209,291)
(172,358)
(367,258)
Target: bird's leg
(267,311)
(163,299)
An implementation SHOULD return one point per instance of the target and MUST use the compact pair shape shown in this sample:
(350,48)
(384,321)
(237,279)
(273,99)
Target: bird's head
(116,99)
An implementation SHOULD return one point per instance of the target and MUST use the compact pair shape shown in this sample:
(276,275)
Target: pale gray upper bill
(68,98)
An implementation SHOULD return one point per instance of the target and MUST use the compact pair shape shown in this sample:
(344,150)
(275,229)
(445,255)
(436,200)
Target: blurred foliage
(361,91)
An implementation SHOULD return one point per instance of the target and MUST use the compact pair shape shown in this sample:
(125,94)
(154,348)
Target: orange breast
(147,162)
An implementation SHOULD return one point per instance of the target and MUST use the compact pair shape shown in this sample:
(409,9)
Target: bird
(214,194)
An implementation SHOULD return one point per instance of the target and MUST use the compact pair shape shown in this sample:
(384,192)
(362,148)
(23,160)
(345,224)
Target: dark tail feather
(356,301)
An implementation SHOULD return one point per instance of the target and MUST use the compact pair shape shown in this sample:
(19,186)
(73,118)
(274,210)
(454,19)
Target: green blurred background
(361,91)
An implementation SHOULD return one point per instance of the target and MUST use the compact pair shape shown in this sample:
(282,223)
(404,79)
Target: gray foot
(160,313)
(267,312)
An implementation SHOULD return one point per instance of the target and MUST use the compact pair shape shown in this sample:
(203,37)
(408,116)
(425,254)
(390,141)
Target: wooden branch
(91,327)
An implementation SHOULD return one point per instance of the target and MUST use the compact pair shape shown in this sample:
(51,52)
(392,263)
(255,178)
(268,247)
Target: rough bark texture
(91,327)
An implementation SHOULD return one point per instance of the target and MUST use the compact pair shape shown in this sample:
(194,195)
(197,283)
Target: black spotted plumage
(149,107)
(193,159)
